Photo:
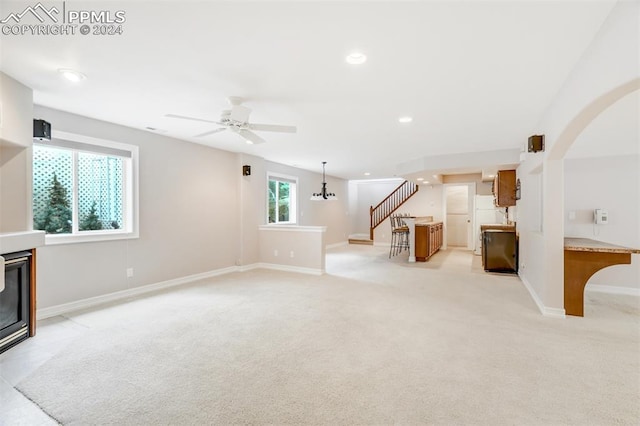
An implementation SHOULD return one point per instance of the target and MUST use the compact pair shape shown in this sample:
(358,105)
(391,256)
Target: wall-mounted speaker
(246,170)
(41,130)
(536,143)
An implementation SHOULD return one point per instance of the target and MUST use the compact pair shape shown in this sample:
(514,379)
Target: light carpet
(375,341)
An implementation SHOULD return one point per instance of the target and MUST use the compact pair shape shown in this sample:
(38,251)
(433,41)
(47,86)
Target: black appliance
(499,251)
(14,299)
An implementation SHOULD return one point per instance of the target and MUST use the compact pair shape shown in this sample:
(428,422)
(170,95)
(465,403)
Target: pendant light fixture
(323,194)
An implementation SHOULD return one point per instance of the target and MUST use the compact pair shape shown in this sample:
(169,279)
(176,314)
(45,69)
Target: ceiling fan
(236,120)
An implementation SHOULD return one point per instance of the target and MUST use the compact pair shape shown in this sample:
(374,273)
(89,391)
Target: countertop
(428,223)
(497,226)
(587,244)
(423,220)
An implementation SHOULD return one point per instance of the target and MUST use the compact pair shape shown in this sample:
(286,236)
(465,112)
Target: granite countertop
(497,226)
(423,220)
(428,223)
(587,244)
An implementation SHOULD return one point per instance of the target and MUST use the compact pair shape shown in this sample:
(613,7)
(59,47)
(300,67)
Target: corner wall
(609,64)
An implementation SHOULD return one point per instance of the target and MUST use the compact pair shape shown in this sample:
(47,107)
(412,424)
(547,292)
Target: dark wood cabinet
(504,188)
(428,240)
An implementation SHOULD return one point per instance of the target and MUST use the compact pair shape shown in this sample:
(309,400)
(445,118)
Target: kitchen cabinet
(504,188)
(428,240)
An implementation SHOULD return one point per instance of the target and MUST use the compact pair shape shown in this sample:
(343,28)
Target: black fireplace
(14,299)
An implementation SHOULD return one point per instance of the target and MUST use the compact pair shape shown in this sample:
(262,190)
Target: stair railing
(390,204)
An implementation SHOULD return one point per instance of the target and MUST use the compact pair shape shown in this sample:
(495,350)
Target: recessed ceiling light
(367,173)
(356,58)
(72,75)
(405,119)
(248,142)
(426,181)
(419,179)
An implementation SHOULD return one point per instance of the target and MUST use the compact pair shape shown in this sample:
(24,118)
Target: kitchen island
(425,237)
(583,257)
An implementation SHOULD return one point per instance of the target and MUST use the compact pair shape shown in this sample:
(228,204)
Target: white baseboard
(544,310)
(64,308)
(611,289)
(335,245)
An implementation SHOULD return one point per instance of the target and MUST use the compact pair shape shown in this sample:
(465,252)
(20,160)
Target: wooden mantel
(584,257)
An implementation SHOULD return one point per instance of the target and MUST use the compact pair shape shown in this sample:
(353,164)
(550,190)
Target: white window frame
(293,203)
(130,194)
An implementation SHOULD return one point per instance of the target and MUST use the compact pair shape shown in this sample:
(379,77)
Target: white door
(458,221)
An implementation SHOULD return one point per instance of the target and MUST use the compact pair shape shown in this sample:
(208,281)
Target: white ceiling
(474,75)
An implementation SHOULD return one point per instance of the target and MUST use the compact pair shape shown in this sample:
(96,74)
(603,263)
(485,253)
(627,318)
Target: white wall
(606,72)
(332,214)
(612,183)
(252,207)
(299,248)
(253,202)
(189,219)
(16,138)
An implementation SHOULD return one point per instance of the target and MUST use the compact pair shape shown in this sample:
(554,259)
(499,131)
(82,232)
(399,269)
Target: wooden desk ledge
(587,244)
(583,257)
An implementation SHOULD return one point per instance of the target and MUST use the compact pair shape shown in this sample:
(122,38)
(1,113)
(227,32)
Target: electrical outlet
(291,253)
(129,272)
(275,253)
(572,215)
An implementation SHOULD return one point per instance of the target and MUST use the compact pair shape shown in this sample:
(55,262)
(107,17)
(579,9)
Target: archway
(587,115)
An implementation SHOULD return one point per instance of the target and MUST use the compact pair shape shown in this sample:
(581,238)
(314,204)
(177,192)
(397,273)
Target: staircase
(390,204)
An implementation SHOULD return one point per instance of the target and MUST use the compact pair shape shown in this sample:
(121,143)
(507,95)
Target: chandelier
(323,194)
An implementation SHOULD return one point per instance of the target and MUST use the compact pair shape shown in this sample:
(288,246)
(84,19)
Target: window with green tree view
(282,196)
(82,189)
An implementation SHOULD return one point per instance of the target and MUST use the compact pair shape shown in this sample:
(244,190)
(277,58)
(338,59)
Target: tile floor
(53,334)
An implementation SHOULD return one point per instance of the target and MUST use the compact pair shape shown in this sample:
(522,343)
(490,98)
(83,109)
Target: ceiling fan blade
(210,132)
(251,137)
(184,117)
(272,128)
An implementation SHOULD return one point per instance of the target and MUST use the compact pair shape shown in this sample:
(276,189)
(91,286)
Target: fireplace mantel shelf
(16,241)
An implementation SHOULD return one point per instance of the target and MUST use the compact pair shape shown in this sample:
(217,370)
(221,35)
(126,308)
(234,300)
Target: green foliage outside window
(279,201)
(56,216)
(92,221)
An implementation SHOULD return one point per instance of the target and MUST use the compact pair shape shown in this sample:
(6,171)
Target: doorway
(458,208)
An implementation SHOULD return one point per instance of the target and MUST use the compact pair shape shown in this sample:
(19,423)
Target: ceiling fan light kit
(323,194)
(236,120)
